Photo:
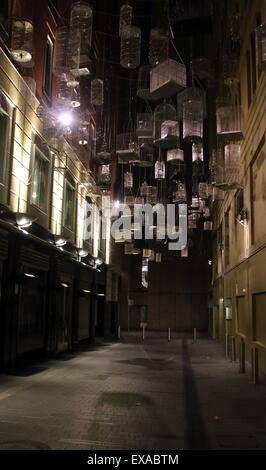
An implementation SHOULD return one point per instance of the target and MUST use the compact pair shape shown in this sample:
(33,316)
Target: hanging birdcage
(63,92)
(197,152)
(217,194)
(145,158)
(130,47)
(163,112)
(21,47)
(159,170)
(158,257)
(231,70)
(192,220)
(97,92)
(216,167)
(104,175)
(81,19)
(192,121)
(151,195)
(203,191)
(127,147)
(144,126)
(143,90)
(75,98)
(83,135)
(66,54)
(167,79)
(232,154)
(261,46)
(143,188)
(175,155)
(125,18)
(158,50)
(169,134)
(128,180)
(230,122)
(195,202)
(180,195)
(202,68)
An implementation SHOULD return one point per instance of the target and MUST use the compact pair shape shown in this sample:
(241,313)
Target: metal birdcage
(127,147)
(163,112)
(175,155)
(261,46)
(230,121)
(192,220)
(158,50)
(192,121)
(159,170)
(63,92)
(203,191)
(66,53)
(130,47)
(167,79)
(208,225)
(180,195)
(97,95)
(216,167)
(128,180)
(144,126)
(202,68)
(197,152)
(125,18)
(104,175)
(151,195)
(22,40)
(81,20)
(83,135)
(170,133)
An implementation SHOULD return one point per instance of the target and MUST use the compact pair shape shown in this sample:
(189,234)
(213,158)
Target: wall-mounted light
(86,291)
(29,275)
(60,241)
(98,261)
(65,118)
(101,295)
(82,253)
(63,284)
(24,220)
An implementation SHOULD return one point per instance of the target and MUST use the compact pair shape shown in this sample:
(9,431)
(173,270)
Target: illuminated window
(40,194)
(69,204)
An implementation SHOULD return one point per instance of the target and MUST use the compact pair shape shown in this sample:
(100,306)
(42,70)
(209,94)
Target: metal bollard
(255,365)
(169,334)
(233,349)
(194,335)
(242,359)
(143,332)
(119,332)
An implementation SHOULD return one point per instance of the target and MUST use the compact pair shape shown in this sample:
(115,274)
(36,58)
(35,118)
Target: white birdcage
(97,97)
(175,155)
(125,18)
(261,46)
(144,126)
(203,191)
(197,152)
(192,121)
(208,225)
(170,133)
(130,47)
(83,135)
(158,50)
(104,175)
(128,180)
(22,40)
(81,20)
(143,90)
(168,78)
(127,147)
(151,195)
(180,194)
(230,122)
(159,170)
(163,112)
(63,92)
(232,155)
(75,98)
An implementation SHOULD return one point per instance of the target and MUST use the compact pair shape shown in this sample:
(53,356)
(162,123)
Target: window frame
(47,159)
(69,181)
(48,92)
(6,110)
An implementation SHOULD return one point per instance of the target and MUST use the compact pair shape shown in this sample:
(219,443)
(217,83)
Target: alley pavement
(133,395)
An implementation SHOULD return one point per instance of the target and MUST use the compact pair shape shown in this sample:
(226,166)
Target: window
(53,8)
(47,79)
(69,206)
(227,238)
(239,204)
(40,190)
(5,128)
(4,16)
(253,62)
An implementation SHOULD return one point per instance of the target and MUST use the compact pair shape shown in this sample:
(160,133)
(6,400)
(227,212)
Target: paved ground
(130,395)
